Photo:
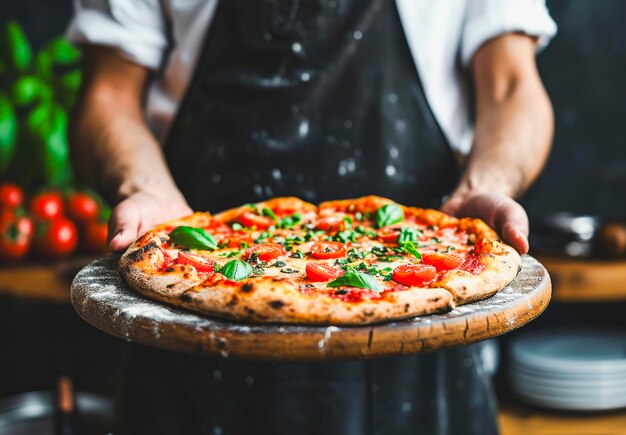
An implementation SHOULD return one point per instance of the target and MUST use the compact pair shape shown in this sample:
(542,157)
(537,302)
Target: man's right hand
(139,212)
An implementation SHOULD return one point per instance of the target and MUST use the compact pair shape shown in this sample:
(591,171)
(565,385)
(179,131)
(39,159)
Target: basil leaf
(289,221)
(389,214)
(352,278)
(407,234)
(410,248)
(237,226)
(193,238)
(268,212)
(236,270)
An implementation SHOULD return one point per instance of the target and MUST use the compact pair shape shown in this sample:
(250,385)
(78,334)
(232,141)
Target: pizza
(349,262)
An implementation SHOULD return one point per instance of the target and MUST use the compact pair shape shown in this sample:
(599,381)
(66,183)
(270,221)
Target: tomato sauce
(472,265)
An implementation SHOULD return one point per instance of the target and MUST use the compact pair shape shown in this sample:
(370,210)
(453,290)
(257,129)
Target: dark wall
(42,19)
(584,69)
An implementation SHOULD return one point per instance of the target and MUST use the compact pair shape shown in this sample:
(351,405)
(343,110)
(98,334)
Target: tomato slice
(389,234)
(332,223)
(202,264)
(253,220)
(265,251)
(236,240)
(414,274)
(325,250)
(441,261)
(318,272)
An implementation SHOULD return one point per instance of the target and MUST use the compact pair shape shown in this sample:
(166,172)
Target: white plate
(569,384)
(596,351)
(572,404)
(588,374)
(581,394)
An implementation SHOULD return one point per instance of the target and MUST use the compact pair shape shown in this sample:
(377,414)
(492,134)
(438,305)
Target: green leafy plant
(36,92)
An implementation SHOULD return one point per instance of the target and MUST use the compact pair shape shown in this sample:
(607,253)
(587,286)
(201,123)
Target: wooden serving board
(102,298)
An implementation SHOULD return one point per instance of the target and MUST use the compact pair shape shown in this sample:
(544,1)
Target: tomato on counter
(56,237)
(11,196)
(15,238)
(95,236)
(47,205)
(81,207)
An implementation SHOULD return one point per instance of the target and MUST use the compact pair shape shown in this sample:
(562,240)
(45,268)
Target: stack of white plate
(570,370)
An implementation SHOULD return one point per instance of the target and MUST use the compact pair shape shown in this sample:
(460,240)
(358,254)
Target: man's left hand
(498,211)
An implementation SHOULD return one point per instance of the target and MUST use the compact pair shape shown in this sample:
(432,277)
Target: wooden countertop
(515,418)
(582,280)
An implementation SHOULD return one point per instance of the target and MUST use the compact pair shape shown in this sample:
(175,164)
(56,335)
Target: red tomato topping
(332,223)
(472,265)
(237,240)
(441,261)
(414,274)
(319,272)
(265,251)
(47,205)
(11,196)
(325,250)
(202,264)
(251,220)
(389,234)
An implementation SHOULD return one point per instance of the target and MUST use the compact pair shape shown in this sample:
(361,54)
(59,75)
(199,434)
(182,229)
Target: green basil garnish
(352,278)
(193,238)
(237,226)
(290,221)
(269,213)
(389,214)
(408,234)
(236,270)
(410,248)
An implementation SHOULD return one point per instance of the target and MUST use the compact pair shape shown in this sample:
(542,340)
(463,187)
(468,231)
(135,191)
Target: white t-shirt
(443,35)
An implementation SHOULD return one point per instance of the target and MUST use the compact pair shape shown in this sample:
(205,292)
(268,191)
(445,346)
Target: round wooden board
(102,298)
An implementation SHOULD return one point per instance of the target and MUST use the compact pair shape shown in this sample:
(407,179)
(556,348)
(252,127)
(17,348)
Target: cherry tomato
(332,223)
(95,236)
(59,237)
(237,240)
(47,205)
(414,274)
(441,261)
(82,207)
(325,250)
(319,272)
(202,264)
(389,234)
(265,251)
(15,238)
(11,196)
(251,220)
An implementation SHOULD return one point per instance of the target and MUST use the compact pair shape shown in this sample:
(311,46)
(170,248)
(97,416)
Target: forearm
(511,143)
(111,145)
(514,128)
(114,150)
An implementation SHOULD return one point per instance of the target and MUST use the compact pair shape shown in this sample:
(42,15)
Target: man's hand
(140,212)
(498,211)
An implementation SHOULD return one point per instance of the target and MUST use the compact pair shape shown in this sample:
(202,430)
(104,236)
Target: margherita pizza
(353,262)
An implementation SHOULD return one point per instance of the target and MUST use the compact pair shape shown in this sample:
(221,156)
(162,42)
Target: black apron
(321,100)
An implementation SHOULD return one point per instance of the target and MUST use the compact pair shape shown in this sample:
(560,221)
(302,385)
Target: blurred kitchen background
(577,209)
